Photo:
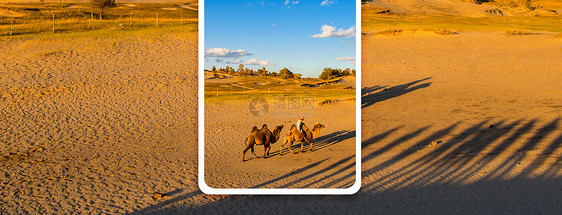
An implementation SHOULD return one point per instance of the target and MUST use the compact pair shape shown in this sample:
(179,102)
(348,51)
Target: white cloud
(225,53)
(237,61)
(326,2)
(351,59)
(257,62)
(288,2)
(346,58)
(330,31)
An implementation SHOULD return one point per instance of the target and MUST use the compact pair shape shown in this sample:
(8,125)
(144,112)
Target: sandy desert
(463,123)
(228,122)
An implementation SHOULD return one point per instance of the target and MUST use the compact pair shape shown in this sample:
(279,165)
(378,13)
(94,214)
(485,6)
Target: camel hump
(254,129)
(318,125)
(263,126)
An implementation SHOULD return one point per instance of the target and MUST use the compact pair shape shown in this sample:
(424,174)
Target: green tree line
(327,73)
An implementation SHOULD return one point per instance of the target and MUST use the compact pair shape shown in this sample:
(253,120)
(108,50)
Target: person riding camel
(300,124)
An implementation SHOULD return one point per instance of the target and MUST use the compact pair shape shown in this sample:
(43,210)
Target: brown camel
(295,135)
(263,137)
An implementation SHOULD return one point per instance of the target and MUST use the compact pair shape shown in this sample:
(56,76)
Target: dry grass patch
(517,32)
(389,32)
(10,13)
(445,32)
(327,102)
(50,53)
(37,18)
(371,20)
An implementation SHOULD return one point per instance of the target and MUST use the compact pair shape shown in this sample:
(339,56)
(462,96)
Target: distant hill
(470,8)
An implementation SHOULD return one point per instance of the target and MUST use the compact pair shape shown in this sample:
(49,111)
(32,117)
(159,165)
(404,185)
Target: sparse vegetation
(37,18)
(387,23)
(445,32)
(50,53)
(516,32)
(273,85)
(329,73)
(102,4)
(285,73)
(327,102)
(389,32)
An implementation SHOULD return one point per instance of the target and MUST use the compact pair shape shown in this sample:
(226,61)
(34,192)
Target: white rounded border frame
(277,191)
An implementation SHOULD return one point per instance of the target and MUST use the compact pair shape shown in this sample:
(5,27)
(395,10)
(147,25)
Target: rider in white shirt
(299,125)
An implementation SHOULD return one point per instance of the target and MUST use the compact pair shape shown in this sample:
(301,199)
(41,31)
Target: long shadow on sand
(429,179)
(495,166)
(318,143)
(166,202)
(288,175)
(368,98)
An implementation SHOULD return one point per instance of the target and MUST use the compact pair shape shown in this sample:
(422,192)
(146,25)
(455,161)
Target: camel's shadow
(319,142)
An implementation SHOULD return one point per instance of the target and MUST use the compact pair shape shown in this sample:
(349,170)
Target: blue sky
(305,36)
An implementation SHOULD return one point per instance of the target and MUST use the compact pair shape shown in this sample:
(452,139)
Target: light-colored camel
(295,135)
(263,137)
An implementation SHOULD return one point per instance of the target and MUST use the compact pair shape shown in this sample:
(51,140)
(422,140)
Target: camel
(296,136)
(263,137)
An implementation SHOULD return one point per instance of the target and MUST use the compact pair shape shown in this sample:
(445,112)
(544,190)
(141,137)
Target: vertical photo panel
(279,84)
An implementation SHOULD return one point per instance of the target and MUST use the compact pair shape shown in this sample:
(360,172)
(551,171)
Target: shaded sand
(330,165)
(464,123)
